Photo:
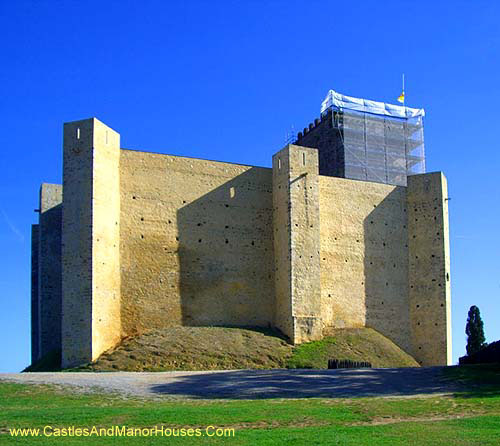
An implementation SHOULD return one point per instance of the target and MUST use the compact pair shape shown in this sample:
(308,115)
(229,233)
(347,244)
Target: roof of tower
(341,102)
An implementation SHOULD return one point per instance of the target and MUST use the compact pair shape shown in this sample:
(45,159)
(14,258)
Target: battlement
(324,117)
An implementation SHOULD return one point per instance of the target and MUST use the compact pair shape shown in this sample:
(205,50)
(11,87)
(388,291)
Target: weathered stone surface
(49,268)
(364,257)
(196,242)
(151,241)
(91,241)
(429,269)
(296,227)
(35,316)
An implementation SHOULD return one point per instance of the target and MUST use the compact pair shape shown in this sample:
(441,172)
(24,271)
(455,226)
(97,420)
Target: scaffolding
(382,142)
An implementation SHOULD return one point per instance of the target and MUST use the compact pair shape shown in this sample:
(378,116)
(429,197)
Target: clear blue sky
(224,81)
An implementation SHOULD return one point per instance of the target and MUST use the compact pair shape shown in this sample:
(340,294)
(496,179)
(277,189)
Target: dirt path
(250,384)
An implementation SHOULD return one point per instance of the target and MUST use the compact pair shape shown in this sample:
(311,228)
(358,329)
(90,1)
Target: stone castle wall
(151,241)
(364,257)
(296,228)
(90,241)
(429,268)
(46,293)
(35,310)
(77,267)
(196,243)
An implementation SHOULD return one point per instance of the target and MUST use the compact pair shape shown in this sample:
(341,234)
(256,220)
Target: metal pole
(404,89)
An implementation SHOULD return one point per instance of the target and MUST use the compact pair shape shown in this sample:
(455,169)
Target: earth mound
(223,348)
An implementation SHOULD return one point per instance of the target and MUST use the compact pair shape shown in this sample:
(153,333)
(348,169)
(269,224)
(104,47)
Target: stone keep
(134,241)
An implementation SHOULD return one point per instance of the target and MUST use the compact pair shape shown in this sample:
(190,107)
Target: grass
(357,344)
(462,419)
(481,380)
(196,348)
(483,374)
(224,348)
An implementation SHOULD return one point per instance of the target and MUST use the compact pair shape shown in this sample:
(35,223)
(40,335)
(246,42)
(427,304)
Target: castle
(343,231)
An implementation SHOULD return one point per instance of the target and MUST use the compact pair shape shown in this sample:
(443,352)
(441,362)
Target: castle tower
(429,268)
(49,268)
(297,243)
(46,273)
(367,140)
(90,241)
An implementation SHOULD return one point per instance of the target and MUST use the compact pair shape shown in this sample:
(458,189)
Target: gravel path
(250,384)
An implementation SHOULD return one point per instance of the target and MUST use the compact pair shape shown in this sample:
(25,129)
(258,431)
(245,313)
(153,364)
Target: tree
(474,331)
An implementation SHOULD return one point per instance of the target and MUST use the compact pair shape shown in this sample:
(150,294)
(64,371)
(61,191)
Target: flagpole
(404,90)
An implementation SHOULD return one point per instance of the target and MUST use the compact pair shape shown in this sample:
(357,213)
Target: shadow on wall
(50,281)
(226,254)
(386,269)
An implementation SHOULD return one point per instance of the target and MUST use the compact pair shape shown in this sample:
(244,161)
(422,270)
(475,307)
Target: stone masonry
(134,241)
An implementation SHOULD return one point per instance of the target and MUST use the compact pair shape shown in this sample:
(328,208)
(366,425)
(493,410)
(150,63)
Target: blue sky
(225,81)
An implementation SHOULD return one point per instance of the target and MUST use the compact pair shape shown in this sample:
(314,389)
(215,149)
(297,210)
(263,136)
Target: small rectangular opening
(279,163)
(232,192)
(78,133)
(304,158)
(106,137)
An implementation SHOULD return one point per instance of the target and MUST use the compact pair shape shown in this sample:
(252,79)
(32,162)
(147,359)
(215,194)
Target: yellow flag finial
(401,97)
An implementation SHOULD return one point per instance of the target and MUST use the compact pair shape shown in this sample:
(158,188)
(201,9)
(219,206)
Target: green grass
(482,380)
(463,419)
(476,373)
(357,344)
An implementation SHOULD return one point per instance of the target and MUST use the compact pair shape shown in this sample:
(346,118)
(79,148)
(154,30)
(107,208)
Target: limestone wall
(90,241)
(429,269)
(49,268)
(296,227)
(282,243)
(35,317)
(77,243)
(106,279)
(196,242)
(364,257)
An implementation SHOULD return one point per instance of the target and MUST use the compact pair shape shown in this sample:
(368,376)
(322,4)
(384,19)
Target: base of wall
(306,329)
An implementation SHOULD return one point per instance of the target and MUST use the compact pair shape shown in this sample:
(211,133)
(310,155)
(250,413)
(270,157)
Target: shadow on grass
(255,384)
(475,381)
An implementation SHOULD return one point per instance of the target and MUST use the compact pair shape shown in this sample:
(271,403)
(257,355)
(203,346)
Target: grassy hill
(196,348)
(212,348)
(357,344)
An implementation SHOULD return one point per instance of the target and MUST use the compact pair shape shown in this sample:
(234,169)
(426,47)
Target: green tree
(474,331)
